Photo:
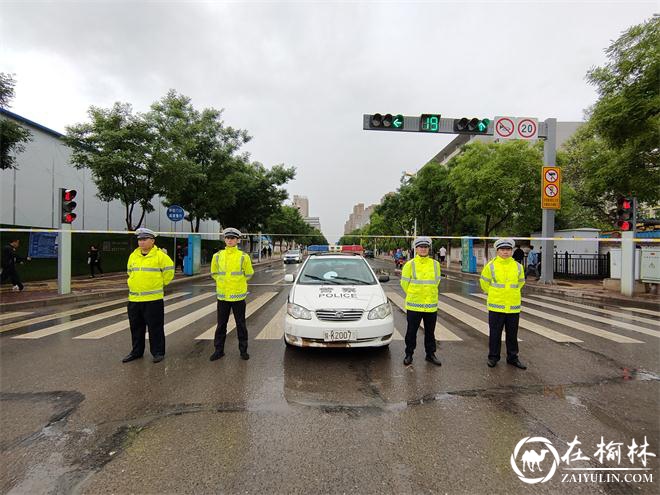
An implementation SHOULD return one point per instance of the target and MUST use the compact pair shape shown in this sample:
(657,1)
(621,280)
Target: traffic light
(625,212)
(68,205)
(471,126)
(387,122)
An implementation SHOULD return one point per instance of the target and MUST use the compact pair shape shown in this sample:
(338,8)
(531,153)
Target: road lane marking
(524,323)
(597,310)
(15,314)
(274,329)
(124,324)
(641,310)
(441,333)
(622,339)
(599,319)
(190,318)
(57,316)
(44,332)
(249,310)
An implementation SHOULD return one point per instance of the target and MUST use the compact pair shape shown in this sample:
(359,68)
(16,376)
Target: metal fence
(585,266)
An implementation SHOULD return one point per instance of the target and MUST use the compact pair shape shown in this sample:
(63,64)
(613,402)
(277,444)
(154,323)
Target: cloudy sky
(299,75)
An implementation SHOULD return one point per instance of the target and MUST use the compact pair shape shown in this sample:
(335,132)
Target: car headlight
(298,312)
(380,312)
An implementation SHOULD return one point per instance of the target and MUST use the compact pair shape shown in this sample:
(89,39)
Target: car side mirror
(383,278)
(288,278)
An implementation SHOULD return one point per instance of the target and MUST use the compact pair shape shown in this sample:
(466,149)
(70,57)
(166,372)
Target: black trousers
(96,264)
(12,274)
(497,322)
(414,319)
(147,314)
(224,308)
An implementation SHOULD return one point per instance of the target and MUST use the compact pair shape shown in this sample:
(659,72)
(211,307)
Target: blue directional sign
(175,213)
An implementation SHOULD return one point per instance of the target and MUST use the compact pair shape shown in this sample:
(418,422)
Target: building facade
(29,193)
(358,218)
(302,203)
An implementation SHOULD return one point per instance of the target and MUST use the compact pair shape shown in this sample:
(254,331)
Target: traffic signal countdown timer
(386,122)
(67,205)
(625,213)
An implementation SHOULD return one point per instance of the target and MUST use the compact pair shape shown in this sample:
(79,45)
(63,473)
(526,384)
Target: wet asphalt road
(77,420)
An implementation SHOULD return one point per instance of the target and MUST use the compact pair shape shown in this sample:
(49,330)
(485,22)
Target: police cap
(145,233)
(423,241)
(231,232)
(505,243)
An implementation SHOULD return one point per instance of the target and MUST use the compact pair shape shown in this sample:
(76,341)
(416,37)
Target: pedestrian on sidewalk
(502,279)
(519,255)
(149,271)
(533,263)
(443,255)
(9,261)
(94,260)
(231,268)
(179,257)
(420,279)
(270,251)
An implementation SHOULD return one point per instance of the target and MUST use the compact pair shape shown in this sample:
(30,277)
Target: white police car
(337,301)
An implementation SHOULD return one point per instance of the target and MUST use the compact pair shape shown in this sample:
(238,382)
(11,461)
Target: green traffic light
(483,125)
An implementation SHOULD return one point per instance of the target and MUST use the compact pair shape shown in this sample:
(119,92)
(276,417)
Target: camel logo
(532,460)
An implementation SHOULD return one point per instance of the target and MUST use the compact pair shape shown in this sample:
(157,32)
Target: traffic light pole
(627,263)
(548,218)
(64,259)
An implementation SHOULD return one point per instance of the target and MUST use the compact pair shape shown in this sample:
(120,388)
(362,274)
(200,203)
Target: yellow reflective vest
(502,279)
(420,279)
(148,274)
(231,268)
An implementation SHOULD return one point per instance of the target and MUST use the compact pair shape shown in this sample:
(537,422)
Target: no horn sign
(551,188)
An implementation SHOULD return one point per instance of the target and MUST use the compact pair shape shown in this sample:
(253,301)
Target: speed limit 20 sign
(551,188)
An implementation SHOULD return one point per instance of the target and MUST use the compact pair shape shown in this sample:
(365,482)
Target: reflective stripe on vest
(144,269)
(414,275)
(147,293)
(494,283)
(421,305)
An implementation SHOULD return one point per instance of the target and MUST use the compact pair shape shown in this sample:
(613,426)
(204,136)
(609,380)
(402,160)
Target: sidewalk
(84,288)
(587,290)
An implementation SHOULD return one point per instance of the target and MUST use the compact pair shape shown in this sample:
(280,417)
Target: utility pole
(548,219)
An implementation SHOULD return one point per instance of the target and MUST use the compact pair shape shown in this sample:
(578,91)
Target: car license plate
(339,335)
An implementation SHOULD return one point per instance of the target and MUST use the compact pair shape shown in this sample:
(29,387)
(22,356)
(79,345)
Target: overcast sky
(299,75)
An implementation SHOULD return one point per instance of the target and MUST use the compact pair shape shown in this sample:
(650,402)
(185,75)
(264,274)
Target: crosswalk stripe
(190,318)
(524,323)
(597,310)
(599,319)
(14,314)
(641,310)
(274,329)
(57,316)
(249,310)
(479,325)
(44,332)
(622,339)
(441,333)
(124,324)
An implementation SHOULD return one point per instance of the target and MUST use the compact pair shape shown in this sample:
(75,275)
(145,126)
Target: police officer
(502,279)
(149,271)
(231,268)
(420,279)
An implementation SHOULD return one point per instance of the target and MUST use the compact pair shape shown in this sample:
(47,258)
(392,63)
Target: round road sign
(527,128)
(175,213)
(551,190)
(504,127)
(551,175)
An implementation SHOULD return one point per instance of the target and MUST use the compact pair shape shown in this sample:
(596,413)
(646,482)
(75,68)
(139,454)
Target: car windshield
(336,271)
(293,251)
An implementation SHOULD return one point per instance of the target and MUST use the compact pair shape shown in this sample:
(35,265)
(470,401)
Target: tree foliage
(13,136)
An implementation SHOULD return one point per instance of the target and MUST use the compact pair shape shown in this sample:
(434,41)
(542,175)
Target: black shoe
(407,360)
(216,355)
(517,364)
(432,359)
(245,356)
(158,358)
(492,363)
(130,357)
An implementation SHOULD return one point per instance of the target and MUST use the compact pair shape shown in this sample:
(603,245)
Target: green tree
(197,154)
(118,148)
(13,136)
(617,151)
(498,184)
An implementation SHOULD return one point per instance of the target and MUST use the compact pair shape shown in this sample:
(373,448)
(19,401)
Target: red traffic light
(68,194)
(69,217)
(625,225)
(67,205)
